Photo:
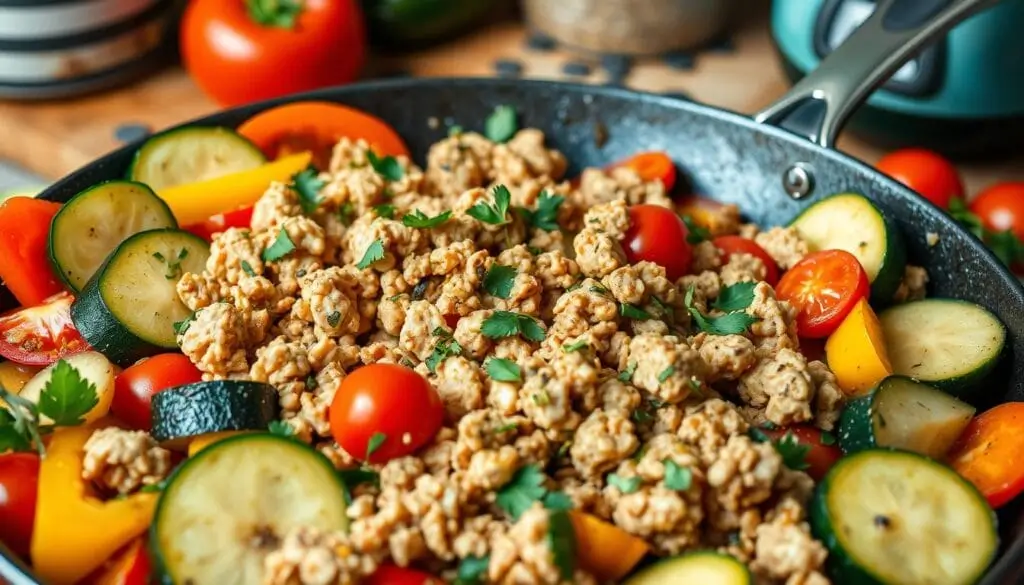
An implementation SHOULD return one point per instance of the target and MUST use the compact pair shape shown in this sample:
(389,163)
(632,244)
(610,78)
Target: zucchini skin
(893,264)
(856,424)
(205,407)
(95,321)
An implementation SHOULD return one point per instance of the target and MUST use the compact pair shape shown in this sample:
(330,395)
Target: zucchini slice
(898,518)
(90,225)
(193,154)
(226,508)
(851,222)
(950,344)
(903,414)
(186,412)
(703,567)
(91,366)
(129,307)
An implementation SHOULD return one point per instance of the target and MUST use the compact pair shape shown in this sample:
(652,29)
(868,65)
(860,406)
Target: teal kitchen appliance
(962,95)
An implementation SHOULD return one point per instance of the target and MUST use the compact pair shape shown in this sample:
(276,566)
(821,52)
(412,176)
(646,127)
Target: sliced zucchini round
(851,222)
(186,412)
(226,508)
(903,414)
(703,567)
(950,344)
(893,517)
(91,224)
(128,309)
(193,154)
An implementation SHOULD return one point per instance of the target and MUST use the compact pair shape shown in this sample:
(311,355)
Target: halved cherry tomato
(1001,207)
(990,453)
(41,335)
(820,457)
(233,219)
(656,234)
(135,386)
(740,245)
(129,566)
(19,482)
(24,262)
(651,166)
(394,575)
(317,127)
(931,175)
(823,287)
(386,404)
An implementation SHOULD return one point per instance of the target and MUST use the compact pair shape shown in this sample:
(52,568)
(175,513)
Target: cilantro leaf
(758,436)
(575,346)
(664,374)
(154,487)
(472,570)
(307,185)
(276,13)
(503,370)
(676,477)
(728,324)
(545,216)
(247,268)
(793,452)
(12,438)
(446,346)
(511,426)
(507,323)
(376,440)
(281,429)
(499,280)
(735,297)
(557,501)
(496,213)
(19,425)
(695,233)
(827,439)
(352,478)
(454,130)
(633,312)
(385,210)
(626,485)
(501,125)
(386,167)
(519,494)
(67,396)
(346,213)
(627,374)
(374,252)
(418,219)
(180,327)
(281,247)
(562,541)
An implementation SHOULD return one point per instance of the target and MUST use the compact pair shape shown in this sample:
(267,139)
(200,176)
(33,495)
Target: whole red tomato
(19,481)
(931,175)
(135,386)
(240,51)
(384,411)
(1001,207)
(656,234)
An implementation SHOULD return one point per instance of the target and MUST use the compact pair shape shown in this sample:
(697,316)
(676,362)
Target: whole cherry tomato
(931,175)
(42,334)
(822,452)
(823,287)
(135,386)
(656,234)
(384,411)
(241,51)
(1001,207)
(19,481)
(740,245)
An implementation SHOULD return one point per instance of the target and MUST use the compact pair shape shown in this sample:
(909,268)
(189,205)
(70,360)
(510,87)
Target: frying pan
(772,166)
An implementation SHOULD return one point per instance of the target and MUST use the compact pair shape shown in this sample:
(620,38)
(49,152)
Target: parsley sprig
(733,322)
(1005,244)
(387,167)
(695,233)
(282,246)
(527,487)
(545,216)
(493,213)
(793,452)
(499,280)
(418,219)
(64,401)
(307,185)
(507,323)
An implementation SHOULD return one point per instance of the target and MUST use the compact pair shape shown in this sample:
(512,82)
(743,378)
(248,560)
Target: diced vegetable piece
(183,413)
(193,203)
(76,532)
(41,334)
(201,442)
(240,218)
(990,453)
(823,287)
(221,508)
(856,351)
(14,376)
(24,267)
(822,450)
(129,566)
(92,367)
(129,308)
(605,550)
(91,224)
(853,223)
(651,166)
(947,343)
(703,567)
(904,414)
(893,517)
(193,154)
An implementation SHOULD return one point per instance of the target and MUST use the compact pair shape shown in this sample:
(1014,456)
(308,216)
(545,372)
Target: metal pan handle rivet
(798,181)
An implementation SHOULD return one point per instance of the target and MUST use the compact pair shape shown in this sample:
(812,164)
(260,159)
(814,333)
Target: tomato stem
(275,13)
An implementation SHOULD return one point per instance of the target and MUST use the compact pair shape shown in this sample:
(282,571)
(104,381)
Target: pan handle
(820,103)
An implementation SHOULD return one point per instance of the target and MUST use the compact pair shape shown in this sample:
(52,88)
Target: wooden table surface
(56,137)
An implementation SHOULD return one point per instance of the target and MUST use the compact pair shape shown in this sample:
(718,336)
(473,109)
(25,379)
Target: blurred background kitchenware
(962,96)
(411,24)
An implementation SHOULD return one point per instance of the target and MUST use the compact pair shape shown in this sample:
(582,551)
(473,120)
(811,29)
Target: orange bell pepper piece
(856,351)
(605,550)
(24,261)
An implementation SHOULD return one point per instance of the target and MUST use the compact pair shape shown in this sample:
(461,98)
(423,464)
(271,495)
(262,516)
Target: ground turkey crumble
(619,380)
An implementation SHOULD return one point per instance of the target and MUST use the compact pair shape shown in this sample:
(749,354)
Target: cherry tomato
(135,386)
(990,453)
(24,259)
(41,335)
(651,166)
(317,127)
(129,566)
(656,234)
(19,480)
(452,320)
(823,287)
(240,51)
(933,177)
(394,575)
(240,218)
(1001,207)
(820,457)
(740,245)
(385,402)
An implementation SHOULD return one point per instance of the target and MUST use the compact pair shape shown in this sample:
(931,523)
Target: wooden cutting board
(54,138)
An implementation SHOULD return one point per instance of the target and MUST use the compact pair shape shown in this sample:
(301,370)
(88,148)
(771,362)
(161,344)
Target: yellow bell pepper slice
(856,351)
(75,532)
(605,550)
(196,202)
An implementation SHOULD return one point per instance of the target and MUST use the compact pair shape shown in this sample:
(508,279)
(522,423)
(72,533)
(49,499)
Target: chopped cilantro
(346,213)
(507,323)
(418,219)
(735,297)
(472,570)
(376,440)
(281,429)
(545,216)
(503,370)
(525,488)
(385,210)
(507,427)
(501,125)
(695,233)
(454,130)
(499,280)
(557,501)
(728,324)
(353,478)
(386,167)
(180,327)
(374,252)
(676,477)
(562,542)
(446,346)
(664,374)
(627,374)
(633,312)
(793,452)
(496,213)
(828,439)
(307,185)
(575,346)
(626,485)
(281,247)
(247,268)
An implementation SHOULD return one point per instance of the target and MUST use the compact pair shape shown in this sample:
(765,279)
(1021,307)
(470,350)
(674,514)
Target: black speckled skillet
(770,172)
